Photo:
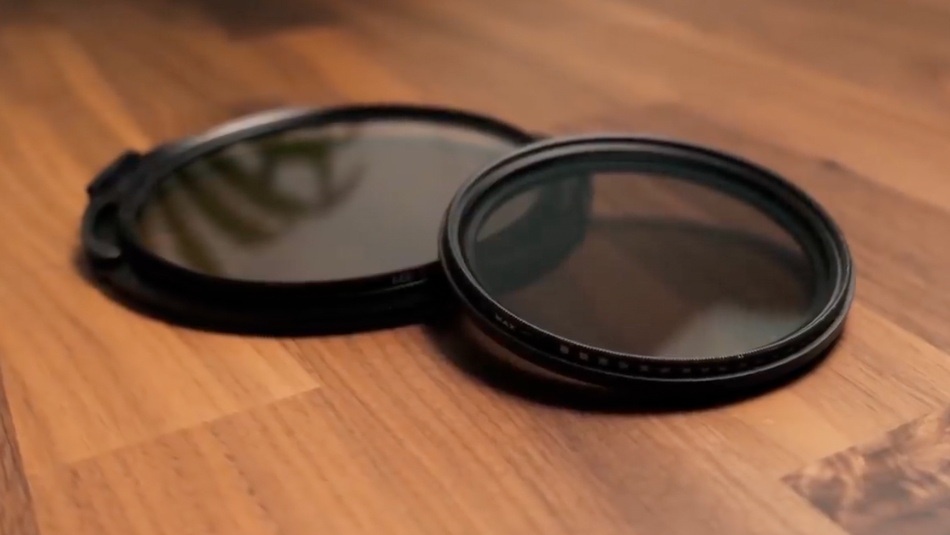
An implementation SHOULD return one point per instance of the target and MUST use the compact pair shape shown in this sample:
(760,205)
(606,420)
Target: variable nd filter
(296,221)
(685,265)
(615,260)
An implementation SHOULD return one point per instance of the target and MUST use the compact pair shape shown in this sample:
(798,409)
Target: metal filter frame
(813,228)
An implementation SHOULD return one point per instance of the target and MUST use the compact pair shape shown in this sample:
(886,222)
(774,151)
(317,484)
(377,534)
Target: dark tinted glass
(316,204)
(667,263)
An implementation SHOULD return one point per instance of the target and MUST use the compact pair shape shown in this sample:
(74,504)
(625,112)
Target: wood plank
(483,76)
(877,44)
(16,503)
(117,423)
(896,483)
(639,56)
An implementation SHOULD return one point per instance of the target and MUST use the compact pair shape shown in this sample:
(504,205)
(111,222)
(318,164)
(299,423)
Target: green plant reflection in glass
(222,197)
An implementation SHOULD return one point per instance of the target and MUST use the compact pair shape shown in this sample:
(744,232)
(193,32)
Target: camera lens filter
(615,260)
(309,220)
(691,266)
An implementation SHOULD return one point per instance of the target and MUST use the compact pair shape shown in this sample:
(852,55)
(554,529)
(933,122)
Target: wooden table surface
(114,423)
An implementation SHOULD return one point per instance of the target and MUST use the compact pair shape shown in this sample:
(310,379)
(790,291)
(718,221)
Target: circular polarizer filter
(684,266)
(293,220)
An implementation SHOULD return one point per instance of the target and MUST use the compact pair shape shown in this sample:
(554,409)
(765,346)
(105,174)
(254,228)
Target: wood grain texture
(898,483)
(127,425)
(16,506)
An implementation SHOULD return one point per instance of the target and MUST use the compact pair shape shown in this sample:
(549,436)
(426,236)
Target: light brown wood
(896,484)
(16,512)
(113,422)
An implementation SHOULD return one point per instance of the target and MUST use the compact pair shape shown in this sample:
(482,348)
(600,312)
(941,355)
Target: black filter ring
(820,237)
(117,259)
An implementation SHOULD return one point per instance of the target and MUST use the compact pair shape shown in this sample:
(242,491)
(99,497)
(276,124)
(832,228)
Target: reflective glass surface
(316,204)
(668,263)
